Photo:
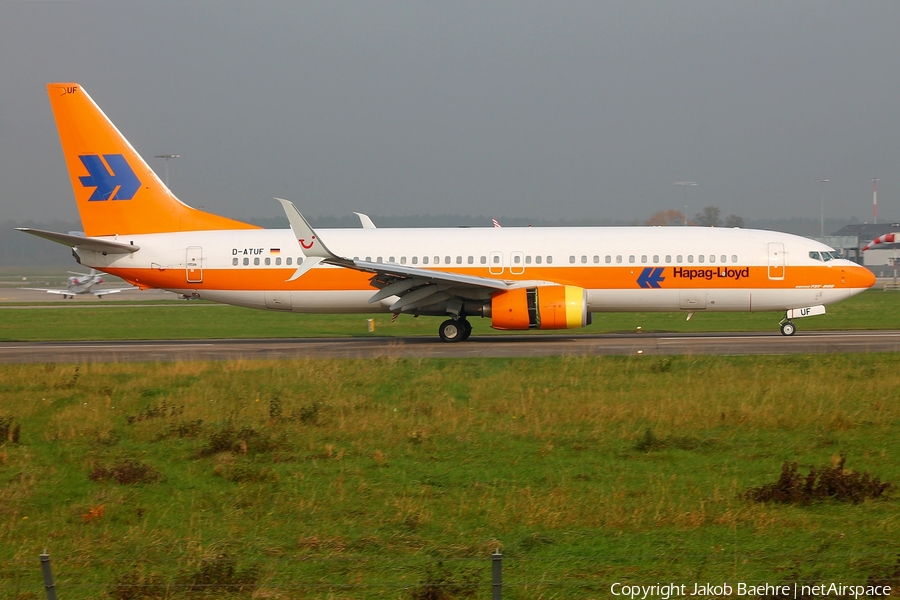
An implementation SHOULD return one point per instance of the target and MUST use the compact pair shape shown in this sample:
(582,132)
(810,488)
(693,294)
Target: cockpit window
(814,256)
(826,256)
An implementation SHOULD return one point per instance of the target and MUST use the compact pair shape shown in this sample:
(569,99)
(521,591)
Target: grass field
(186,320)
(398,478)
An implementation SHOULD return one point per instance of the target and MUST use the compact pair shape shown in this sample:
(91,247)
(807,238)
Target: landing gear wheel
(787,328)
(467,329)
(451,331)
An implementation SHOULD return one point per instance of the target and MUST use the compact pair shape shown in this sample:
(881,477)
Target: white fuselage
(621,268)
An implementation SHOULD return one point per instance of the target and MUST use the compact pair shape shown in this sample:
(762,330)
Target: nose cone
(858,277)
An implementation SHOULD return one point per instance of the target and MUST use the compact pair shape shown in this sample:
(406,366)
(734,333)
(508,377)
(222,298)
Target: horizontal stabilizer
(86,243)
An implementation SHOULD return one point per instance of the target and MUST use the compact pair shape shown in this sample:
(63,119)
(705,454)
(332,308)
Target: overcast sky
(545,110)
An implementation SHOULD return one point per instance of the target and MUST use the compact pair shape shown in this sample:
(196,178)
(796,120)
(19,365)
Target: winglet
(312,246)
(365,221)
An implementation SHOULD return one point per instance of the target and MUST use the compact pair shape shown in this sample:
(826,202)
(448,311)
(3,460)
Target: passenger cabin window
(234,261)
(549,260)
(496,259)
(517,259)
(572,259)
(537,259)
(618,258)
(402,260)
(424,260)
(643,258)
(246,261)
(656,258)
(391,259)
(668,258)
(415,260)
(471,260)
(287,261)
(459,260)
(700,258)
(527,260)
(484,260)
(734,258)
(256,261)
(437,260)
(608,259)
(447,260)
(690,258)
(268,261)
(631,258)
(596,259)
(278,260)
(724,258)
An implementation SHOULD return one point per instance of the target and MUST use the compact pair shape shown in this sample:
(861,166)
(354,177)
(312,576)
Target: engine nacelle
(544,307)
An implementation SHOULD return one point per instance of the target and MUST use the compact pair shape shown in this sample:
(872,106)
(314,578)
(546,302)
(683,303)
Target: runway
(722,344)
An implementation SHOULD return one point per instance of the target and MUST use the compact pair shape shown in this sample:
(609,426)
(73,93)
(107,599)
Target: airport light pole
(684,186)
(822,183)
(875,200)
(896,226)
(167,157)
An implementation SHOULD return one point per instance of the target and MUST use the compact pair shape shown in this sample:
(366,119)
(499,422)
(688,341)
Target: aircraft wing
(101,293)
(415,287)
(77,241)
(63,292)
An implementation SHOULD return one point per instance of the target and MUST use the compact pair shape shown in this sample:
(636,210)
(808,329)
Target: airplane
(517,278)
(82,283)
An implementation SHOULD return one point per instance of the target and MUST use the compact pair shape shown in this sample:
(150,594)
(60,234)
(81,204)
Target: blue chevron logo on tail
(651,277)
(113,182)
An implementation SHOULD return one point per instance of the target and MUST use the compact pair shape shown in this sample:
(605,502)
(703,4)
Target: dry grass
(407,459)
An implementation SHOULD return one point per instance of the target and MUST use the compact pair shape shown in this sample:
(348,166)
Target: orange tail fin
(116,190)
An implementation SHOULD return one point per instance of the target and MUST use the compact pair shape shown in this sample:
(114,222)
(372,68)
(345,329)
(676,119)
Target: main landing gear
(455,330)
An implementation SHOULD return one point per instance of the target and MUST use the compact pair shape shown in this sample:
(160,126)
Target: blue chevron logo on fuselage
(651,277)
(113,178)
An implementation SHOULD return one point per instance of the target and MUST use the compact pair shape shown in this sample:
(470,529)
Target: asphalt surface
(477,346)
(412,347)
(55,300)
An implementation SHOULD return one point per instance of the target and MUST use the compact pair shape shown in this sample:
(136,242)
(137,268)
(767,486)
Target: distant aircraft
(496,223)
(82,283)
(516,277)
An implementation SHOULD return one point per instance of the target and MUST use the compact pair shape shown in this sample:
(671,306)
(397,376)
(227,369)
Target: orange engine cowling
(544,307)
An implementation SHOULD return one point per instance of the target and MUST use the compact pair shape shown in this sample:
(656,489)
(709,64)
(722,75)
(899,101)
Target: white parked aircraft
(82,283)
(518,278)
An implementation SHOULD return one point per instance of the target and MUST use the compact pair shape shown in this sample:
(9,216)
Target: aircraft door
(517,263)
(776,260)
(495,263)
(194,264)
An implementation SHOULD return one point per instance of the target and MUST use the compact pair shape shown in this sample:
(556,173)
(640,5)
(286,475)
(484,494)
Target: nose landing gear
(787,328)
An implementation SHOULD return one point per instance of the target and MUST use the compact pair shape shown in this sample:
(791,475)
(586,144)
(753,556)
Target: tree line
(708,217)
